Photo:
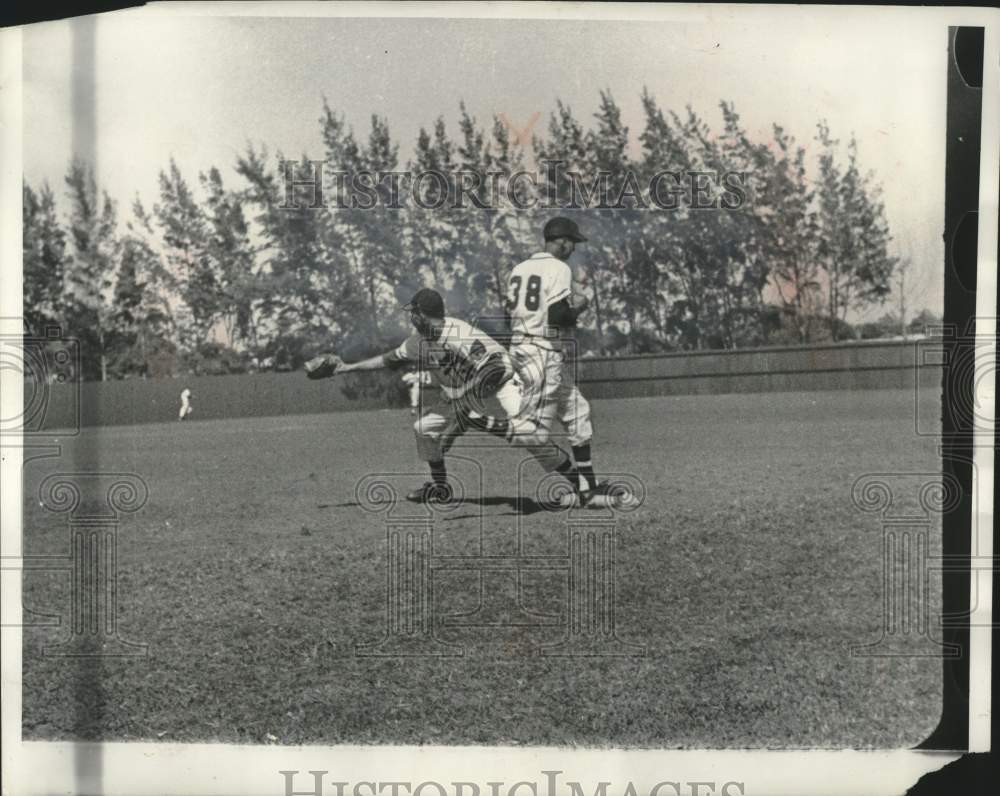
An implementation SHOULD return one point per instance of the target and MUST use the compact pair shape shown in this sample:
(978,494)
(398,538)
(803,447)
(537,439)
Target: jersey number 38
(532,292)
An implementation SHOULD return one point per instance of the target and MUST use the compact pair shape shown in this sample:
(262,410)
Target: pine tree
(143,320)
(195,276)
(853,235)
(432,234)
(127,340)
(665,161)
(92,270)
(786,229)
(370,227)
(493,227)
(476,255)
(568,182)
(619,259)
(44,260)
(697,256)
(511,231)
(233,257)
(381,230)
(308,296)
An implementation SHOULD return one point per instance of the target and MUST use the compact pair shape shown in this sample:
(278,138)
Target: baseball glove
(323,366)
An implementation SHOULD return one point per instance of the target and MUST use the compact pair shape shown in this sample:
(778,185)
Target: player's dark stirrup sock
(439,475)
(584,465)
(568,470)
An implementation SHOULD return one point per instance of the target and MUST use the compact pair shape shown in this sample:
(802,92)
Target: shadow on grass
(519,506)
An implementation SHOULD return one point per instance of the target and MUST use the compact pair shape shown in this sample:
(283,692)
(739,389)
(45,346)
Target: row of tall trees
(223,278)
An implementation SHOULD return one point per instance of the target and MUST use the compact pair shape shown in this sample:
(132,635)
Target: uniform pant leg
(574,410)
(540,372)
(436,430)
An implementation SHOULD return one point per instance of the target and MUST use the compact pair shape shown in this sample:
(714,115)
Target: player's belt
(519,338)
(453,393)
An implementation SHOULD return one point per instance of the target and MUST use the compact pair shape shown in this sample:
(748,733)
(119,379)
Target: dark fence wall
(851,366)
(844,366)
(130,401)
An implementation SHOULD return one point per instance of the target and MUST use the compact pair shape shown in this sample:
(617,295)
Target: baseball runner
(543,309)
(186,408)
(471,366)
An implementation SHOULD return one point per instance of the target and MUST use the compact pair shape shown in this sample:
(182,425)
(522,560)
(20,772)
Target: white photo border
(144,768)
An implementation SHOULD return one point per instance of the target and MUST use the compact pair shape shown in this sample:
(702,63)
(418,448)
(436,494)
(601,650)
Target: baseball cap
(560,227)
(426,302)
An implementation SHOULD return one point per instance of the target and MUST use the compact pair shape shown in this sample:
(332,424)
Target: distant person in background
(416,379)
(185,404)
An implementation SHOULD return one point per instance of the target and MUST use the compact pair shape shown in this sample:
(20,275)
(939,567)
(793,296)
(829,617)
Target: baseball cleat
(431,492)
(628,500)
(606,496)
(571,500)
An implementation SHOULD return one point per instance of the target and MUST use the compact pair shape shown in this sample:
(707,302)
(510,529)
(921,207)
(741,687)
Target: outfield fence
(848,366)
(837,366)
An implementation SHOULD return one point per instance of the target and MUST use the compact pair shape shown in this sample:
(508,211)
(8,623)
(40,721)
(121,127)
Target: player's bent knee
(427,427)
(526,437)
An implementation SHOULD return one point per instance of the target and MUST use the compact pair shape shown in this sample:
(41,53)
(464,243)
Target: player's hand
(578,303)
(324,366)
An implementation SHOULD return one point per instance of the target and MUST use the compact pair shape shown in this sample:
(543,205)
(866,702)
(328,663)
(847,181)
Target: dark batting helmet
(560,227)
(427,302)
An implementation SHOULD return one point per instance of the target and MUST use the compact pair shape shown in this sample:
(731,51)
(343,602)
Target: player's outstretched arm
(372,363)
(327,365)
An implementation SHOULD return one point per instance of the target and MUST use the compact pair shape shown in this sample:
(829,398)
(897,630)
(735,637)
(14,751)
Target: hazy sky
(200,88)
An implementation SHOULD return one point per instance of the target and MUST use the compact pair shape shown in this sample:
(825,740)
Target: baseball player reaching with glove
(471,367)
(543,310)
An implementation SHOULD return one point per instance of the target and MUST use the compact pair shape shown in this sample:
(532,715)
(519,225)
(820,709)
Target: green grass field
(253,576)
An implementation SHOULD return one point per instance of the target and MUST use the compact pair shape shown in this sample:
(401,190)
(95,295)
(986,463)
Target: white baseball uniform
(456,356)
(185,404)
(415,380)
(549,392)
